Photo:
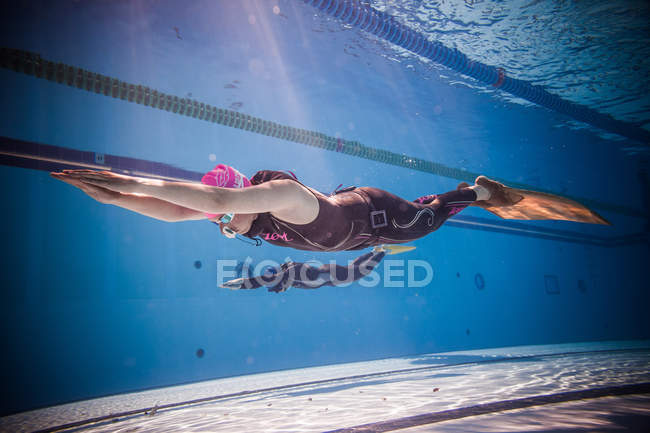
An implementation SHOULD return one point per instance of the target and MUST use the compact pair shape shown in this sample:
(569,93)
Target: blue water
(97,300)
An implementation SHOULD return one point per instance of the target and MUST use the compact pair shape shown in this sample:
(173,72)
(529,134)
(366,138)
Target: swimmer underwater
(280,210)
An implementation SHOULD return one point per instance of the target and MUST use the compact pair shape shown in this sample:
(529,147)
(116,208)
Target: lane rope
(32,64)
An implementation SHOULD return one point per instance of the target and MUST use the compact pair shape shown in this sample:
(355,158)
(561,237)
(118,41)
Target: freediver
(279,209)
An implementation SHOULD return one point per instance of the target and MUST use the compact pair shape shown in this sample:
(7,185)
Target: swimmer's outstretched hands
(100,194)
(106,179)
(235,284)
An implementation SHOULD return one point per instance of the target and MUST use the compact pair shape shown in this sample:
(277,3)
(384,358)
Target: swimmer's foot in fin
(500,195)
(520,204)
(394,249)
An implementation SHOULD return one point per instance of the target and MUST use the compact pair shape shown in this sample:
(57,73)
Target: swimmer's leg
(450,203)
(485,192)
(305,276)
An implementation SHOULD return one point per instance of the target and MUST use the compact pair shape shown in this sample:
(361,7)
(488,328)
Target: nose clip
(229,233)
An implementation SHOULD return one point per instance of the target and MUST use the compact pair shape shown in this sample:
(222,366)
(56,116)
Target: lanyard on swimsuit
(339,190)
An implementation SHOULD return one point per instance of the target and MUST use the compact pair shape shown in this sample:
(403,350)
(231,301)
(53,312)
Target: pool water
(98,301)
(440,391)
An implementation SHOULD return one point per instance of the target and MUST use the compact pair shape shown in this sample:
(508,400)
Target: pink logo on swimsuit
(276,237)
(455,209)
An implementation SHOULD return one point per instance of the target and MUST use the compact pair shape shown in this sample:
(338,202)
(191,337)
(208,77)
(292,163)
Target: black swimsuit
(357,218)
(305,276)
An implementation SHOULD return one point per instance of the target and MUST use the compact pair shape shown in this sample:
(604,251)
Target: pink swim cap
(224,176)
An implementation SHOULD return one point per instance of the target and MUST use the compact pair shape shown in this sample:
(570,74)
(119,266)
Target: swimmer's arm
(284,198)
(144,205)
(273,196)
(156,208)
